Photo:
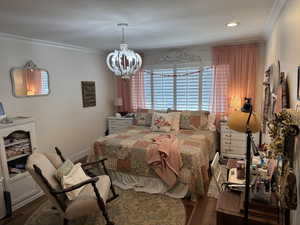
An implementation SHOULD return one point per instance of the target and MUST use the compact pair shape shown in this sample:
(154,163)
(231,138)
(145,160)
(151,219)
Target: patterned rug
(130,208)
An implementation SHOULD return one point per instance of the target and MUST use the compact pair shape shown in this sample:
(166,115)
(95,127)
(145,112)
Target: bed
(126,153)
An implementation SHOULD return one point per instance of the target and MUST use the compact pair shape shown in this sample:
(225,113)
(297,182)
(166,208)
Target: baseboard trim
(79,155)
(26,201)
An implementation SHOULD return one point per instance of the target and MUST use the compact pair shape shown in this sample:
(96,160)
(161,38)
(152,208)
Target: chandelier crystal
(124,62)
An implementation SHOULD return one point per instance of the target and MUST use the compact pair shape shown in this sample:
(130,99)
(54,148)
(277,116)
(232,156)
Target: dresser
(117,124)
(233,143)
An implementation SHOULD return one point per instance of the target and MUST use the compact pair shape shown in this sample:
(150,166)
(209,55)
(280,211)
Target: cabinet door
(23,188)
(2,202)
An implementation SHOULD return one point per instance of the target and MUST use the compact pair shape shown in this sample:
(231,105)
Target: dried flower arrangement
(280,127)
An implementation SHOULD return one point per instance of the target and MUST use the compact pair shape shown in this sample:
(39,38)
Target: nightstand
(233,143)
(118,124)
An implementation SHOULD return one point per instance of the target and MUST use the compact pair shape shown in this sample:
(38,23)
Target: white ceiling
(152,23)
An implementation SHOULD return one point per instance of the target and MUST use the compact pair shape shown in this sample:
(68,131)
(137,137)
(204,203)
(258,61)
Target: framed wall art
(88,89)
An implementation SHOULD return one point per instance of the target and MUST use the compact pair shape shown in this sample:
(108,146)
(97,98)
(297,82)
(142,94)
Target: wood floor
(203,214)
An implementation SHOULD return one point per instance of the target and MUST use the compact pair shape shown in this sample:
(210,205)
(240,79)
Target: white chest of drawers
(233,143)
(117,124)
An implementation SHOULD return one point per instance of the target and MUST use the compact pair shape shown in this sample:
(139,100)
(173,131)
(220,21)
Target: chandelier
(124,62)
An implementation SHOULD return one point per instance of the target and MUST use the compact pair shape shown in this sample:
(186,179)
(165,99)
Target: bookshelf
(17,143)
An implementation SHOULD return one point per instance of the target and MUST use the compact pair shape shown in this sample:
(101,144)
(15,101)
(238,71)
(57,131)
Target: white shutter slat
(187,89)
(163,89)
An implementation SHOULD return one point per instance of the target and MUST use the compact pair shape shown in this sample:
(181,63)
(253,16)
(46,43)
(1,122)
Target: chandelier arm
(109,60)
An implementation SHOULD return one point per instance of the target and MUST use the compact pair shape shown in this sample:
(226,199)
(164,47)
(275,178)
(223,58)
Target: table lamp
(247,122)
(235,103)
(118,103)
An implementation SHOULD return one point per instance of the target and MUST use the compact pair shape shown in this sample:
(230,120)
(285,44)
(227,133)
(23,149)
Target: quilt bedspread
(126,152)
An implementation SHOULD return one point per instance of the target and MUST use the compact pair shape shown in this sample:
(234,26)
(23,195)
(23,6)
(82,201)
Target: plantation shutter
(187,88)
(179,88)
(207,88)
(163,89)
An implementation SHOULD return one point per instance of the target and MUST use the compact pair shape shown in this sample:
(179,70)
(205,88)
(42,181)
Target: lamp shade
(237,121)
(118,102)
(235,103)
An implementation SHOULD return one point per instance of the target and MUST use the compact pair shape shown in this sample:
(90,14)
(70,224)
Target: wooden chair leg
(115,195)
(102,205)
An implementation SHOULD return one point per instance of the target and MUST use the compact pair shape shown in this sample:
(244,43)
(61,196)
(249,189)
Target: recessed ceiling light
(232,24)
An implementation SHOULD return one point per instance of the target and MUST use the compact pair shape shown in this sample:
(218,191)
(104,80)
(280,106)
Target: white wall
(60,118)
(284,45)
(187,56)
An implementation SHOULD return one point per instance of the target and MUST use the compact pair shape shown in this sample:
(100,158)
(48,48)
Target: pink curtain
(132,92)
(235,70)
(137,91)
(123,91)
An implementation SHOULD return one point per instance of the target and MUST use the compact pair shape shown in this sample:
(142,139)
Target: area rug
(130,208)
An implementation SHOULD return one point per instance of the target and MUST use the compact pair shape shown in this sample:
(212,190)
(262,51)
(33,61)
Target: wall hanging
(88,89)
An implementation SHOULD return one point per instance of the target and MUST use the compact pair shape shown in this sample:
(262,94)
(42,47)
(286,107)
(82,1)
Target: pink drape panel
(235,70)
(123,91)
(132,92)
(137,91)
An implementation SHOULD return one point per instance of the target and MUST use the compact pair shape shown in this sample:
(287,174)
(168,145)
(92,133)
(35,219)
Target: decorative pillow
(162,122)
(194,120)
(75,176)
(175,120)
(211,122)
(64,169)
(143,117)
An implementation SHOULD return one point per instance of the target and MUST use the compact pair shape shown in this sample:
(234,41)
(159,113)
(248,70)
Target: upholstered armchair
(93,197)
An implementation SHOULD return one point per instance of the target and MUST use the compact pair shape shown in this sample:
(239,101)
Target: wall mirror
(29,80)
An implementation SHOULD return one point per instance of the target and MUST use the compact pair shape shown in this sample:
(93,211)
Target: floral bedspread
(126,152)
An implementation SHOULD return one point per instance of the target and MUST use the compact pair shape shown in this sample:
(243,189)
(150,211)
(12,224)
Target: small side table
(117,124)
(229,212)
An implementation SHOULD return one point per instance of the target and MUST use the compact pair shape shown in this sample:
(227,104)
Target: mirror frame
(28,65)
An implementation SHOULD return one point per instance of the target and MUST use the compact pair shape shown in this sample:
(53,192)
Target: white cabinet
(233,143)
(17,142)
(117,124)
(2,202)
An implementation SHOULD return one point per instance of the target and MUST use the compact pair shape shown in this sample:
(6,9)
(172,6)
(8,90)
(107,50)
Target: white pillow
(175,121)
(211,122)
(75,176)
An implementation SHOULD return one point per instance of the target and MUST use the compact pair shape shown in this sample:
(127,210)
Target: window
(179,88)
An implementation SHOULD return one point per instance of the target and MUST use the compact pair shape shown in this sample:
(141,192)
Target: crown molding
(273,16)
(48,43)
